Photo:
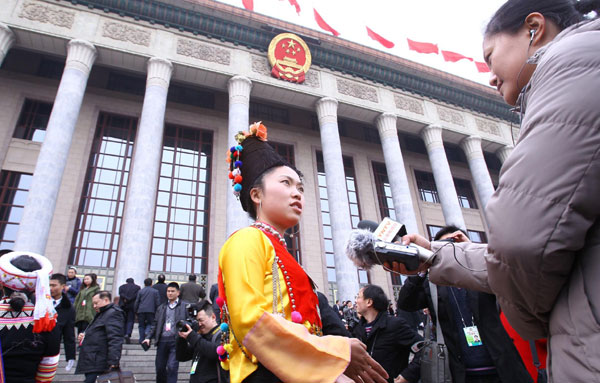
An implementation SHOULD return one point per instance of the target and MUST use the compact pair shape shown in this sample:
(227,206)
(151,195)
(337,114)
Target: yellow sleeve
(246,264)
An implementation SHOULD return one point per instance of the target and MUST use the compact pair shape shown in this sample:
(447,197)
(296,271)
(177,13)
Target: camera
(190,320)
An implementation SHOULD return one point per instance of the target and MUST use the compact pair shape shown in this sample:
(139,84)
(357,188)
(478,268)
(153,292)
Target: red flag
(248,4)
(422,47)
(381,40)
(482,67)
(454,57)
(323,24)
(295,4)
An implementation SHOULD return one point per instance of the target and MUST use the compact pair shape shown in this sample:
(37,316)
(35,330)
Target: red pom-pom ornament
(231,176)
(220,301)
(237,179)
(221,350)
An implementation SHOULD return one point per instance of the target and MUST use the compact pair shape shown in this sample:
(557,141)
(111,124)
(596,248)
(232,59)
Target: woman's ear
(255,195)
(536,26)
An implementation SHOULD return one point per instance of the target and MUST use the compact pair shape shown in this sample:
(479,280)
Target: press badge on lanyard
(193,369)
(472,335)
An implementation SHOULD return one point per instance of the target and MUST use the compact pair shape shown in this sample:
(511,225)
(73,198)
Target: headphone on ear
(532,33)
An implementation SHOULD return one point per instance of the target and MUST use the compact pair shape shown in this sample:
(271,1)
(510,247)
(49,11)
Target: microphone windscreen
(359,248)
(368,225)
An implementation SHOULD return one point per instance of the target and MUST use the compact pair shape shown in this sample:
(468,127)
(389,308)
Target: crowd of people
(496,307)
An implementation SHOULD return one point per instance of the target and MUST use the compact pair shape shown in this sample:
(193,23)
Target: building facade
(117,116)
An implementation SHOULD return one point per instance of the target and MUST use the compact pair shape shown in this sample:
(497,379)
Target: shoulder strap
(434,299)
(534,354)
(213,339)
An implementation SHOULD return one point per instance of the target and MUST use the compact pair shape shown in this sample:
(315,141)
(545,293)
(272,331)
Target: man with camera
(164,332)
(199,337)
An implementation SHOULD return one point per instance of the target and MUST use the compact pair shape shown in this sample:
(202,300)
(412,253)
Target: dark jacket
(103,341)
(147,300)
(389,343)
(213,295)
(162,291)
(332,323)
(415,295)
(202,348)
(127,294)
(65,325)
(191,292)
(160,317)
(74,286)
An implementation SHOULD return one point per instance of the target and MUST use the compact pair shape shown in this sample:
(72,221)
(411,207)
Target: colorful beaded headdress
(250,158)
(16,279)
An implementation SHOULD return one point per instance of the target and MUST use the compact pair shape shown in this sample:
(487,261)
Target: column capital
(7,39)
(504,152)
(81,55)
(327,110)
(386,125)
(472,147)
(432,135)
(239,88)
(159,72)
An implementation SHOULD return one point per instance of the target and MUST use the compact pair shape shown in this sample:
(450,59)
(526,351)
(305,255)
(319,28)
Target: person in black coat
(389,339)
(455,306)
(65,324)
(161,287)
(146,303)
(102,341)
(330,319)
(127,294)
(201,347)
(191,291)
(213,295)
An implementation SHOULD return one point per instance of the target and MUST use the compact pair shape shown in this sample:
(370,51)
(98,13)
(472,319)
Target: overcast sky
(454,25)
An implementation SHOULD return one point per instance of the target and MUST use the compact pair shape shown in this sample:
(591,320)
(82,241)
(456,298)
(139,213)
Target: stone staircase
(133,358)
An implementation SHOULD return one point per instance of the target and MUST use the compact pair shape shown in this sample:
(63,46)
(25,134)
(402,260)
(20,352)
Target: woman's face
(87,280)
(281,199)
(506,55)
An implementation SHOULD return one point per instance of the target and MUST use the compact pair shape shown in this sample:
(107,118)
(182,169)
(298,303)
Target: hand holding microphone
(373,244)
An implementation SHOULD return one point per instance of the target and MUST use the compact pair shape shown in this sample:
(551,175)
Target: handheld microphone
(366,249)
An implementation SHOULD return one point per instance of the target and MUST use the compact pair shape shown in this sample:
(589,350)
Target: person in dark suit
(146,303)
(65,324)
(191,291)
(161,287)
(102,341)
(127,294)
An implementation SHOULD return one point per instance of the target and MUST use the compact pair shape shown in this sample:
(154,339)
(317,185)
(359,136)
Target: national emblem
(289,57)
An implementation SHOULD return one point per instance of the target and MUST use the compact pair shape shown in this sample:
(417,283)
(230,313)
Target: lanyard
(459,313)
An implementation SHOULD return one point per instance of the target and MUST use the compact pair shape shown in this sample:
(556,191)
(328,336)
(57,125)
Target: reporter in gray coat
(543,257)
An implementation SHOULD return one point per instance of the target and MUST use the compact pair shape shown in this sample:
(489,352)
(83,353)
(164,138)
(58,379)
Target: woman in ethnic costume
(30,349)
(270,306)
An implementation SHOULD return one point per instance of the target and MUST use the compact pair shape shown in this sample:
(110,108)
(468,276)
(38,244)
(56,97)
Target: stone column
(7,39)
(136,232)
(337,194)
(47,176)
(239,115)
(479,170)
(394,164)
(504,152)
(432,135)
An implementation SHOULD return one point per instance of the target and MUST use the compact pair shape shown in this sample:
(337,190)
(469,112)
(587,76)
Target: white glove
(70,364)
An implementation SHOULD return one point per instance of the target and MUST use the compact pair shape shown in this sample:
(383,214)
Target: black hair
(103,294)
(563,13)
(161,278)
(448,230)
(192,277)
(129,280)
(377,295)
(60,278)
(259,183)
(206,306)
(5,251)
(174,285)
(26,263)
(94,279)
(148,282)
